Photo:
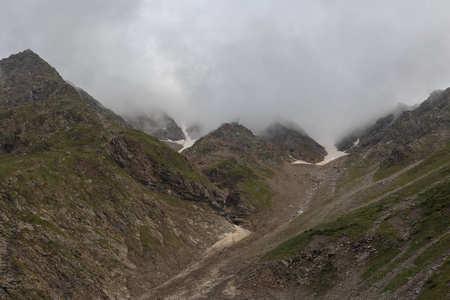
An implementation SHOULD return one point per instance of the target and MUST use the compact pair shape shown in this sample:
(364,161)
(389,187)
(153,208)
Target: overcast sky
(326,65)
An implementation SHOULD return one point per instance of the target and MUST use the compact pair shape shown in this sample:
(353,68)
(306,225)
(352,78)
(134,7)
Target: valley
(92,206)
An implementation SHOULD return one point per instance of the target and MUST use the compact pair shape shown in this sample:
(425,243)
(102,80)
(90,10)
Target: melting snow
(333,153)
(301,162)
(188,142)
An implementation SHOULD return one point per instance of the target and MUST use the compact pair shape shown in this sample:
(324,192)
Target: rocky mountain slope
(157,124)
(90,208)
(295,142)
(366,229)
(239,164)
(370,131)
(233,140)
(381,229)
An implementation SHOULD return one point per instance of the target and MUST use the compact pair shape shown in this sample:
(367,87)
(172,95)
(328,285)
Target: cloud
(327,66)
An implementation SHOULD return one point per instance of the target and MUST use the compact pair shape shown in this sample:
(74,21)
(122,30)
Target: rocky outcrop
(157,124)
(25,78)
(238,163)
(233,140)
(373,134)
(295,142)
(89,208)
(151,173)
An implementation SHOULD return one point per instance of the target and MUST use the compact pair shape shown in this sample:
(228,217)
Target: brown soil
(213,277)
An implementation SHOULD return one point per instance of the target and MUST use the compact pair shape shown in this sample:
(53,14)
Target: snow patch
(301,162)
(186,143)
(333,153)
(355,143)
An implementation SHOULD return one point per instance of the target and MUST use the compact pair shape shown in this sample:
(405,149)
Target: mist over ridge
(326,67)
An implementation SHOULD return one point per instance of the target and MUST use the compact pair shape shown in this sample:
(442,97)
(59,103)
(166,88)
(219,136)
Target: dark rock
(295,142)
(157,124)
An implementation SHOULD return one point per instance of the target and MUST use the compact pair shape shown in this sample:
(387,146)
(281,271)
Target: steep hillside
(233,140)
(295,142)
(157,124)
(361,229)
(382,230)
(89,208)
(93,209)
(369,134)
(240,164)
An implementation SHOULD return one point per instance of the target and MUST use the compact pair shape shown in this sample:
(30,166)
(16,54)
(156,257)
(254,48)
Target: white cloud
(325,65)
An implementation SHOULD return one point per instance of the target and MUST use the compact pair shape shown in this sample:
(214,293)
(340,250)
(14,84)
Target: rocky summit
(295,142)
(233,139)
(92,208)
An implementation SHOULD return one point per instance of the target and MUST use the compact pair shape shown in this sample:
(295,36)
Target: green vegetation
(436,286)
(386,172)
(327,278)
(166,156)
(437,159)
(147,240)
(357,169)
(387,248)
(430,255)
(247,176)
(432,223)
(428,195)
(257,192)
(29,217)
(290,247)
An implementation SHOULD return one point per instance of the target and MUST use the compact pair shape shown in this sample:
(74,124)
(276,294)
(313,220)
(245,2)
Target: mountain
(90,208)
(295,142)
(157,124)
(372,130)
(380,230)
(371,225)
(233,139)
(239,164)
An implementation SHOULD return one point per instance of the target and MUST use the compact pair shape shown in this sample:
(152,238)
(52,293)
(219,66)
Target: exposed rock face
(238,163)
(392,238)
(400,136)
(92,209)
(157,124)
(89,208)
(148,171)
(295,142)
(371,132)
(26,78)
(233,139)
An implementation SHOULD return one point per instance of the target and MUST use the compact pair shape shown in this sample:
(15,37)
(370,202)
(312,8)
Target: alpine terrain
(94,207)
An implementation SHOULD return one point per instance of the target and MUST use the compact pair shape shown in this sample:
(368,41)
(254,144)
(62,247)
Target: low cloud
(326,66)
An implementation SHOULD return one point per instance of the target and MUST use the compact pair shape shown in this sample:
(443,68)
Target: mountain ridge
(92,208)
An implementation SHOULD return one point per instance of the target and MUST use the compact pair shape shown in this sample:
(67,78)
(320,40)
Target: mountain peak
(23,72)
(233,139)
(230,131)
(293,140)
